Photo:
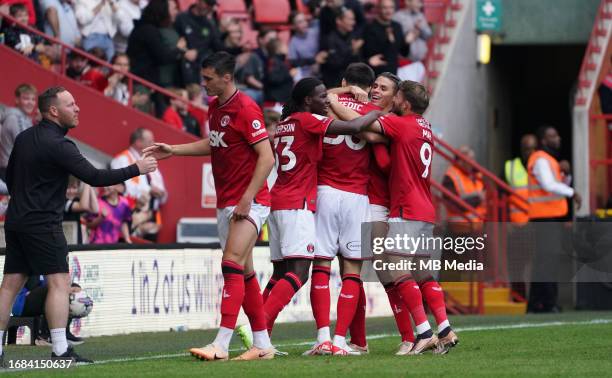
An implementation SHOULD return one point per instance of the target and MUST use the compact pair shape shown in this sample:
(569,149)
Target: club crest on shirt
(256,124)
(423,123)
(310,248)
(225,120)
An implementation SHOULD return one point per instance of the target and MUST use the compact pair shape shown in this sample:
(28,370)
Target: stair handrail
(523,204)
(583,82)
(66,48)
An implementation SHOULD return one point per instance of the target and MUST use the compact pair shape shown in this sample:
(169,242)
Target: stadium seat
(232,8)
(435,10)
(33,323)
(271,11)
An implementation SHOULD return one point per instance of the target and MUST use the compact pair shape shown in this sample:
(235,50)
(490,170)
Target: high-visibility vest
(466,187)
(517,177)
(543,204)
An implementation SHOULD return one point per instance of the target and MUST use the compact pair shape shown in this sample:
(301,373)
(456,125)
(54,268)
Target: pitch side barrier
(158,287)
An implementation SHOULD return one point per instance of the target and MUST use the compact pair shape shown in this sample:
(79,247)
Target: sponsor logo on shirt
(225,120)
(256,124)
(216,138)
(258,132)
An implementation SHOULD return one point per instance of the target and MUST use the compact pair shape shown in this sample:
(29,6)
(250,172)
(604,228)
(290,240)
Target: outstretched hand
(147,163)
(159,151)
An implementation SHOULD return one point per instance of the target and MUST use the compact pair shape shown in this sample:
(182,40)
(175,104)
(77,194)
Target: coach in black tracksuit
(37,177)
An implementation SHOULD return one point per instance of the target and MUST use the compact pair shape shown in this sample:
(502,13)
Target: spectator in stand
(330,10)
(98,24)
(197,108)
(30,8)
(117,87)
(278,80)
(128,11)
(170,73)
(112,222)
(177,114)
(303,47)
(16,120)
(384,40)
(339,48)
(93,75)
(77,64)
(201,33)
(60,21)
(80,199)
(232,42)
(416,33)
(151,184)
(415,28)
(146,49)
(29,44)
(171,114)
(144,222)
(250,75)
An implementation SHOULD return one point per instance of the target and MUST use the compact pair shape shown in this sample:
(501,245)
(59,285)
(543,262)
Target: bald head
(529,143)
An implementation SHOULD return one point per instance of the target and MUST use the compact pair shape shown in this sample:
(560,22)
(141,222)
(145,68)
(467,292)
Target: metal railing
(594,47)
(498,195)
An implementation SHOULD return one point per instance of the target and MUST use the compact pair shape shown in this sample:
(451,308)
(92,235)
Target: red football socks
(233,293)
(347,302)
(401,313)
(434,296)
(280,296)
(358,325)
(268,289)
(411,296)
(253,303)
(320,296)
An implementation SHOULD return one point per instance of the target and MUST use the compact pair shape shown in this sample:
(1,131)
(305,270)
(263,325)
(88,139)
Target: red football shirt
(378,186)
(411,156)
(298,146)
(345,157)
(235,127)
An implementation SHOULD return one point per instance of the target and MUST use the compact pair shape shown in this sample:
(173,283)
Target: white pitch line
(382,336)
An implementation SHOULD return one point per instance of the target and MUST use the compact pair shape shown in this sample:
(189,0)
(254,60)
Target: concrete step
(505,308)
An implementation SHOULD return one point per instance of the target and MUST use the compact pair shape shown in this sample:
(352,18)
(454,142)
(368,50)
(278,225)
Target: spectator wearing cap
(98,23)
(384,40)
(201,34)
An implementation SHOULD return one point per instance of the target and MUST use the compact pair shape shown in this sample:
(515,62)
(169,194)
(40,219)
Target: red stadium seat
(435,10)
(271,11)
(249,36)
(232,8)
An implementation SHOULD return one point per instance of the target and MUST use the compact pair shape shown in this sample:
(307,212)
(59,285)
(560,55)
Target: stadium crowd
(156,42)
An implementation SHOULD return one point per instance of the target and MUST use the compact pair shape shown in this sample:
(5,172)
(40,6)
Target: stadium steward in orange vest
(467,184)
(547,191)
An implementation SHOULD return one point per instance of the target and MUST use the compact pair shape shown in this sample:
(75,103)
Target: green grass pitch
(567,344)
